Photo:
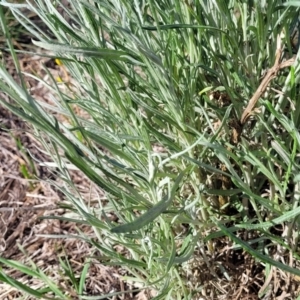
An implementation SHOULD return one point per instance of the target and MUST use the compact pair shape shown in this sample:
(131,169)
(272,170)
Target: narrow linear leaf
(179,26)
(152,213)
(256,254)
(286,217)
(107,54)
(146,218)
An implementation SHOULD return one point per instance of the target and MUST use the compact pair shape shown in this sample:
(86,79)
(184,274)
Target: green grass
(175,75)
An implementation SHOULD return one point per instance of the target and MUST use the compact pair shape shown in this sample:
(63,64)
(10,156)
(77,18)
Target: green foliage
(162,83)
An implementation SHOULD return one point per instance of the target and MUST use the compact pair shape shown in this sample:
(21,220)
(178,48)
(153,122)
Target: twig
(272,73)
(27,208)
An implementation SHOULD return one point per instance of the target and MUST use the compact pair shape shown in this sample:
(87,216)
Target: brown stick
(272,73)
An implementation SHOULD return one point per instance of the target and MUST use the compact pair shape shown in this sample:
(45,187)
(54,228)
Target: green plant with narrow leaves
(163,84)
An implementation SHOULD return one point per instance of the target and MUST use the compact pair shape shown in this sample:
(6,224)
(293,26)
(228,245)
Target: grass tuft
(160,87)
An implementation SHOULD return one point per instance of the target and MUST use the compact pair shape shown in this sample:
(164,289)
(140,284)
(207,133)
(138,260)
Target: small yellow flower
(58,62)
